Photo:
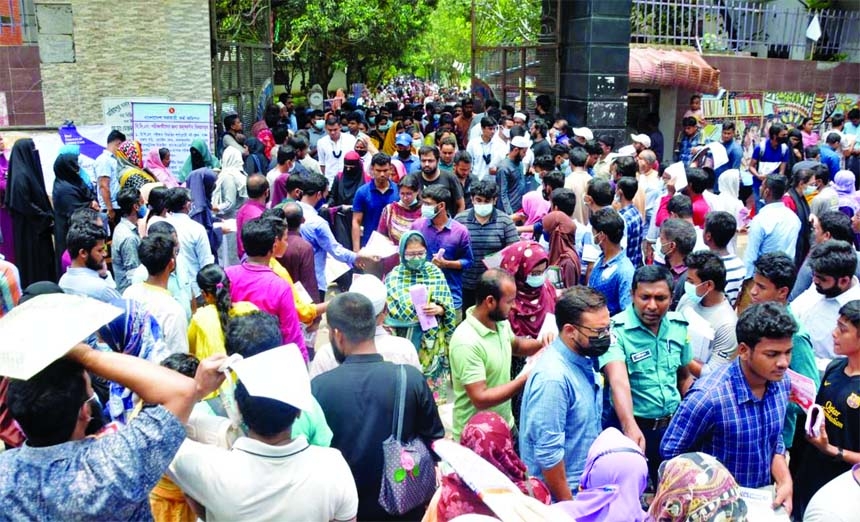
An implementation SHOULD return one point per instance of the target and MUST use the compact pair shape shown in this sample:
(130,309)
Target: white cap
(519,116)
(583,132)
(644,139)
(627,150)
(279,374)
(521,142)
(371,287)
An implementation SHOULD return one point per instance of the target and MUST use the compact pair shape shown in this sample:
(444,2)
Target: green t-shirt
(477,354)
(652,360)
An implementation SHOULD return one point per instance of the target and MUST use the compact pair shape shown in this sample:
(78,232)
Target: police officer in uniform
(646,365)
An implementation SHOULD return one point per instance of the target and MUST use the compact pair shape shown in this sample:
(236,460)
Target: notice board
(172,125)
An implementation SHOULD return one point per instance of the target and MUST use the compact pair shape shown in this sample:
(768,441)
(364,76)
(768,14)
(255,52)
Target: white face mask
(483,209)
(506,132)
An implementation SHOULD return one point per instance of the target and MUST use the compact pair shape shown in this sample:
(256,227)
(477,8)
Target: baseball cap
(641,138)
(583,132)
(371,287)
(627,150)
(403,139)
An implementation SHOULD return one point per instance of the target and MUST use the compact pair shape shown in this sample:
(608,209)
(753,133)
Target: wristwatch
(840,453)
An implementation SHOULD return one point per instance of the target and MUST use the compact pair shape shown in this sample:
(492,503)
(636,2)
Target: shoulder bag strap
(401,405)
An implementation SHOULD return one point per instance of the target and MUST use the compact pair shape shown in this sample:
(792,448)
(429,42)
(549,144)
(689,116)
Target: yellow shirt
(307,312)
(205,336)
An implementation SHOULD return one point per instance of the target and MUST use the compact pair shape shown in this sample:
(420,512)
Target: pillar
(594,63)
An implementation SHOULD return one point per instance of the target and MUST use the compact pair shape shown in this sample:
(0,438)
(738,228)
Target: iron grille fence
(756,27)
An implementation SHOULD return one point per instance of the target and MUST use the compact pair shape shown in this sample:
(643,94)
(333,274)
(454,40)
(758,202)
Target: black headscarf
(25,191)
(256,163)
(352,179)
(67,169)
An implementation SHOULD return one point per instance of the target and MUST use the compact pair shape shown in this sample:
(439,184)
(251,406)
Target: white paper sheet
(279,374)
(493,260)
(334,269)
(718,153)
(679,174)
(304,296)
(701,335)
(379,245)
(759,503)
(45,328)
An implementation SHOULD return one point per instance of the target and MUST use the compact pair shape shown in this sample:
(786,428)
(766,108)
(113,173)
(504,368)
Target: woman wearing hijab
(795,148)
(488,435)
(230,193)
(131,173)
(695,486)
(201,183)
(157,162)
(69,194)
(71,148)
(134,332)
(343,190)
(32,215)
(256,162)
(204,159)
(844,184)
(561,230)
(613,481)
(414,269)
(527,261)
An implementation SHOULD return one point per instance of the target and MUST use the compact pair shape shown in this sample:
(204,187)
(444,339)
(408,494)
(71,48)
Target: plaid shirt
(685,147)
(633,225)
(720,416)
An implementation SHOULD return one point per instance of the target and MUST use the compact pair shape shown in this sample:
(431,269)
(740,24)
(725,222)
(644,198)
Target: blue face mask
(319,124)
(536,281)
(384,126)
(690,292)
(809,190)
(372,119)
(141,212)
(428,211)
(436,117)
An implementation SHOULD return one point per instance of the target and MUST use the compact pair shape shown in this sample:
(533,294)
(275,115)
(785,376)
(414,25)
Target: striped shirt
(487,239)
(735,272)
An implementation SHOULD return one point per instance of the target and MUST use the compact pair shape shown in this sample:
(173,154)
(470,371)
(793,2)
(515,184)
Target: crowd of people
(622,338)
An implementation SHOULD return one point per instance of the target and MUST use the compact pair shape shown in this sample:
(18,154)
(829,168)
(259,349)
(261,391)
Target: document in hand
(802,390)
(27,346)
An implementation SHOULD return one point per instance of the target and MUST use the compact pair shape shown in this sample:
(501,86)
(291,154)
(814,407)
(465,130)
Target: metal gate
(242,80)
(517,74)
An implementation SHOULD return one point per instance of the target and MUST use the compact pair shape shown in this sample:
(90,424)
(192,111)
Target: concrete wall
(134,49)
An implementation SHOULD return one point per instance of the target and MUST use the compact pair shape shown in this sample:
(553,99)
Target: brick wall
(129,49)
(21,83)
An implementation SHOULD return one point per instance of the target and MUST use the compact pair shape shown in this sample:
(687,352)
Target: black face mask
(338,355)
(597,346)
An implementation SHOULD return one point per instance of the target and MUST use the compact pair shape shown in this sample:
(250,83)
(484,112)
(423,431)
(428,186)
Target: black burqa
(32,215)
(70,193)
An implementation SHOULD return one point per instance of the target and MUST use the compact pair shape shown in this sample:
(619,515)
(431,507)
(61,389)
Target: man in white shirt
(194,249)
(486,152)
(331,149)
(774,228)
(106,168)
(157,252)
(269,475)
(392,348)
(833,263)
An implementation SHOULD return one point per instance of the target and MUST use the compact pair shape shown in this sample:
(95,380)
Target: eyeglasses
(415,255)
(601,332)
(94,399)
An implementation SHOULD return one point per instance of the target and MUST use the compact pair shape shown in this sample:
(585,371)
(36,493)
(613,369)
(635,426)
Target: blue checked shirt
(613,279)
(633,226)
(720,416)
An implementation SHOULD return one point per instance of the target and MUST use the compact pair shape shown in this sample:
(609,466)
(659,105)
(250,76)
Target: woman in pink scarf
(157,162)
(535,207)
(488,435)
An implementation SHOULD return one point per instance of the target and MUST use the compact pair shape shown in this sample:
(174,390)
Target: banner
(173,126)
